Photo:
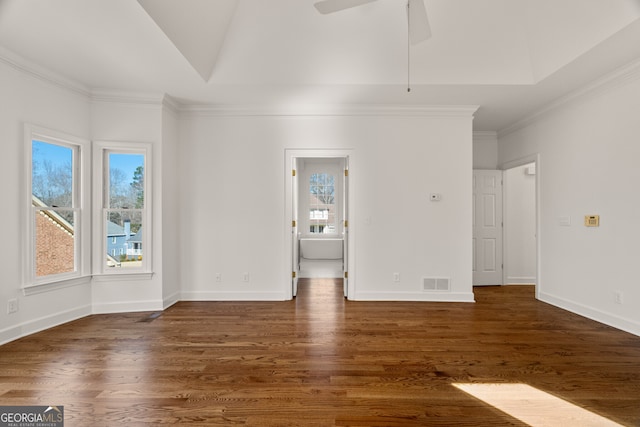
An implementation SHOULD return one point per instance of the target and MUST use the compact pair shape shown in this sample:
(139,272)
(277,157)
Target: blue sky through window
(127,163)
(56,154)
(52,173)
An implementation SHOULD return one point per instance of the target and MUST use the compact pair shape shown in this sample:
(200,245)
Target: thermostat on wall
(592,220)
(435,197)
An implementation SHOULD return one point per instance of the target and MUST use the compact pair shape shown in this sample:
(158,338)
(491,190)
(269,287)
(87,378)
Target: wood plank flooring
(322,361)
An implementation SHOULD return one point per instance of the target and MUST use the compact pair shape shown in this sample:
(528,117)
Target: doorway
(318,200)
(506,229)
(320,217)
(520,257)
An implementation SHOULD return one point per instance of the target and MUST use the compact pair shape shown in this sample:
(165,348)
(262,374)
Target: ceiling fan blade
(419,28)
(330,6)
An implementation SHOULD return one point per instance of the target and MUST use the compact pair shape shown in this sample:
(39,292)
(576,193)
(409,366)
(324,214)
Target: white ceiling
(510,57)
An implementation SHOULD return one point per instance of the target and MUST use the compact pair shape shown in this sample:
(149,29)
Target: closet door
(487,227)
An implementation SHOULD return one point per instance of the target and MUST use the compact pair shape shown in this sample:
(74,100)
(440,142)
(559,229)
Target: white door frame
(295,227)
(532,158)
(290,154)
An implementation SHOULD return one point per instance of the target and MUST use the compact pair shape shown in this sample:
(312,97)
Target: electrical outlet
(396,277)
(617,297)
(245,277)
(12,306)
(218,277)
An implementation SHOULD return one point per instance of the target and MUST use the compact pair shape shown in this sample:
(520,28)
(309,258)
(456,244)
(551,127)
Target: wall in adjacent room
(520,225)
(485,150)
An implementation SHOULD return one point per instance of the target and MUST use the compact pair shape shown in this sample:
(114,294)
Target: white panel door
(487,227)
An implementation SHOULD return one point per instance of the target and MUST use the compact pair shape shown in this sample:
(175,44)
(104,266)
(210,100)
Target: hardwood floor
(322,361)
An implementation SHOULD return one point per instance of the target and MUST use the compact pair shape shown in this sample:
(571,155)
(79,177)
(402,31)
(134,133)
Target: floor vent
(435,284)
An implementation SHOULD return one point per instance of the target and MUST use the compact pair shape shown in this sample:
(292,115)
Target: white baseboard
(40,324)
(515,280)
(170,300)
(128,307)
(627,325)
(415,296)
(10,334)
(231,296)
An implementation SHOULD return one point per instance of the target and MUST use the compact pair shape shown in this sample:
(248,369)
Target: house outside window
(123,191)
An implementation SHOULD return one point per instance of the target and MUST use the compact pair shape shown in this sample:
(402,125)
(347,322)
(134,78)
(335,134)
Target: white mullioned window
(320,194)
(122,196)
(56,234)
(322,203)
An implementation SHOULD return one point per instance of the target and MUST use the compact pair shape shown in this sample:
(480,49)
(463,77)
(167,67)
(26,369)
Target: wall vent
(435,284)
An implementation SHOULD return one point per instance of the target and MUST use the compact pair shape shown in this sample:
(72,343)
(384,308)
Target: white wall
(27,98)
(128,119)
(233,217)
(520,225)
(589,156)
(31,95)
(170,181)
(485,150)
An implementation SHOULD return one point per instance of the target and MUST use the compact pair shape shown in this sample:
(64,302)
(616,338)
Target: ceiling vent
(435,284)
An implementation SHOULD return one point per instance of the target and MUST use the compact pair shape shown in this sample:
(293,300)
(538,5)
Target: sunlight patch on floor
(534,407)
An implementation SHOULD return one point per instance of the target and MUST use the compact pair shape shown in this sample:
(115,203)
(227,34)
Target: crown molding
(606,83)
(485,136)
(138,99)
(171,105)
(36,71)
(31,69)
(439,111)
(156,100)
(127,98)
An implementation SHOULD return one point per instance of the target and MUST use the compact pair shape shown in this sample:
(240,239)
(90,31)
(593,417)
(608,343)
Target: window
(123,192)
(54,231)
(319,214)
(322,205)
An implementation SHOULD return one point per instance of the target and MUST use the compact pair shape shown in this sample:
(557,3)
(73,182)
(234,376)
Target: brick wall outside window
(54,246)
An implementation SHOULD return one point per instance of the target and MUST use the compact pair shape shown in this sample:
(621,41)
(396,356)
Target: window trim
(101,150)
(82,234)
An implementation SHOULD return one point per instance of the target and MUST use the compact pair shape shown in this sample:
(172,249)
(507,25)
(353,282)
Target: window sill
(52,286)
(40,288)
(122,277)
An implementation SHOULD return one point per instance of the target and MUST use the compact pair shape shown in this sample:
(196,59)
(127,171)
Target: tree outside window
(124,209)
(54,207)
